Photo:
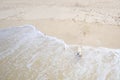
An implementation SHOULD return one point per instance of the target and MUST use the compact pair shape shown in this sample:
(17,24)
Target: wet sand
(76,33)
(28,54)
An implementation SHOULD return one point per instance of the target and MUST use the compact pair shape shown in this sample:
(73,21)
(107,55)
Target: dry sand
(91,22)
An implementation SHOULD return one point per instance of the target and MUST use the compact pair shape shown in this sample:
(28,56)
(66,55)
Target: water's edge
(28,54)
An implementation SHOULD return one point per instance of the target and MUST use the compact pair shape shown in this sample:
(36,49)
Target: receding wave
(28,54)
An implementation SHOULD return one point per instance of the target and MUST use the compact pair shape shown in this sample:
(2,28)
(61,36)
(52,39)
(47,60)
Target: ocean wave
(28,54)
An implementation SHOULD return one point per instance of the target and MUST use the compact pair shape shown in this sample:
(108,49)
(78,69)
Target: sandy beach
(59,39)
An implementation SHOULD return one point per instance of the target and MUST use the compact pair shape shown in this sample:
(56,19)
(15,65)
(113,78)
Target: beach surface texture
(69,40)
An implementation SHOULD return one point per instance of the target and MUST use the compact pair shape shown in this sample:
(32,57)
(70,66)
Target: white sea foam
(28,54)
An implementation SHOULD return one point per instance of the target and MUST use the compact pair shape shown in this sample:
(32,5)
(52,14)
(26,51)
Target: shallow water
(28,54)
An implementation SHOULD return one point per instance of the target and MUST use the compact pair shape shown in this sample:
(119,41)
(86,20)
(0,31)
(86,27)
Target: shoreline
(76,33)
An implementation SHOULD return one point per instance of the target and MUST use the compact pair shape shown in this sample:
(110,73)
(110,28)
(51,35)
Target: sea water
(28,54)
